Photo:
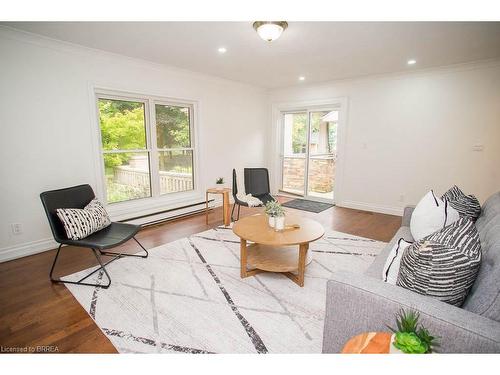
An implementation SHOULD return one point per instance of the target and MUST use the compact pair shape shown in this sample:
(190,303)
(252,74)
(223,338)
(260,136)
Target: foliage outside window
(135,167)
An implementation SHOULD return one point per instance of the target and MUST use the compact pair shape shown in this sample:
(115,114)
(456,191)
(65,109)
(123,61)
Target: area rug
(188,297)
(307,205)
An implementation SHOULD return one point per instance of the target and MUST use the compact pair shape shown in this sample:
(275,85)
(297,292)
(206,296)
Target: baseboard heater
(153,221)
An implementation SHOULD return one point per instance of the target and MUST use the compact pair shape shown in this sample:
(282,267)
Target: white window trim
(149,205)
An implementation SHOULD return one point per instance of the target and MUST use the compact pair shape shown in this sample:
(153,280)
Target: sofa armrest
(358,303)
(405,222)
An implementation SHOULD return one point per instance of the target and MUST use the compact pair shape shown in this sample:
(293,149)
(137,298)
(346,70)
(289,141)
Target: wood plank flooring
(34,312)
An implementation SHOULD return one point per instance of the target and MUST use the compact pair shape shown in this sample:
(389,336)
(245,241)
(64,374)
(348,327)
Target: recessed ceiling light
(222,50)
(412,62)
(302,78)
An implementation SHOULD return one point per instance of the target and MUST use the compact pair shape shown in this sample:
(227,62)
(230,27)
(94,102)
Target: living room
(301,186)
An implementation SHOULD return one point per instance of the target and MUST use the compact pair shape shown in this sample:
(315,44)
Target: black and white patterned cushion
(466,205)
(390,271)
(444,264)
(80,223)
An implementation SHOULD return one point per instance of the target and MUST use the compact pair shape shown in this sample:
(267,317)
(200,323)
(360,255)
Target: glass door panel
(322,153)
(294,152)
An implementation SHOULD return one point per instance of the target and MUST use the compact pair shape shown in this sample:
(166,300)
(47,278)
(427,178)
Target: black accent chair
(107,238)
(256,183)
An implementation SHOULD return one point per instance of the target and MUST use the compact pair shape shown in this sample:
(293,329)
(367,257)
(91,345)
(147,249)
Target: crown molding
(80,50)
(443,69)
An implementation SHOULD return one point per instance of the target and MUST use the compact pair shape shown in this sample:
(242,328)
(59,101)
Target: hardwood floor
(34,312)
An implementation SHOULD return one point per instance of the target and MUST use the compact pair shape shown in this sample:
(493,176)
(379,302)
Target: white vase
(279,223)
(392,348)
(271,221)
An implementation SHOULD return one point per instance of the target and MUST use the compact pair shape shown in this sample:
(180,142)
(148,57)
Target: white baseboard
(27,248)
(363,206)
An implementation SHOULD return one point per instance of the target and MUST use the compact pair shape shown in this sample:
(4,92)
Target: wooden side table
(369,343)
(226,212)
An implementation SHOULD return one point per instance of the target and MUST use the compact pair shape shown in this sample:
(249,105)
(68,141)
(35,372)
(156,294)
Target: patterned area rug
(188,297)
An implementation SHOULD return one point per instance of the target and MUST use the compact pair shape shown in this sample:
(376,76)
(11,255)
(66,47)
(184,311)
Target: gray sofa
(361,303)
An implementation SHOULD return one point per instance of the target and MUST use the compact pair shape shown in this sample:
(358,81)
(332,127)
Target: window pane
(127,176)
(322,154)
(172,126)
(294,149)
(295,134)
(122,125)
(323,133)
(176,171)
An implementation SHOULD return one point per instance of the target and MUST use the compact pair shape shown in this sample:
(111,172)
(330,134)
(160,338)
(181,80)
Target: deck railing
(170,182)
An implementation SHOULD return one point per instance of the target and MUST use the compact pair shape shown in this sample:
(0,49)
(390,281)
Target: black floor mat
(305,205)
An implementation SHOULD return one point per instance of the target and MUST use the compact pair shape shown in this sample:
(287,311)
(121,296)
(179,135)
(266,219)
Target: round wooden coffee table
(273,251)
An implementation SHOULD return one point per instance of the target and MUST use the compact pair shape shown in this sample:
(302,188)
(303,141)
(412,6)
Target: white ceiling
(320,51)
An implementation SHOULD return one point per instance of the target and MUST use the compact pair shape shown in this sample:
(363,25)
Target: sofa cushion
(484,297)
(467,205)
(430,215)
(393,262)
(375,269)
(443,265)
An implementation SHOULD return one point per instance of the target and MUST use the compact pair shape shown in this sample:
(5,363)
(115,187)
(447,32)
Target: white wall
(406,134)
(46,135)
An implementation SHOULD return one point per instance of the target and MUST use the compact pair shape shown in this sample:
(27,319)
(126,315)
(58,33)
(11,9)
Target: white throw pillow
(431,215)
(391,268)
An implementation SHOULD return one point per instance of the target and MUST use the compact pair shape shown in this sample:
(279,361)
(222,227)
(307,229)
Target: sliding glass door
(294,152)
(309,153)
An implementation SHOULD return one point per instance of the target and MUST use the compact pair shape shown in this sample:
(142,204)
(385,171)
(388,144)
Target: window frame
(146,150)
(140,205)
(158,149)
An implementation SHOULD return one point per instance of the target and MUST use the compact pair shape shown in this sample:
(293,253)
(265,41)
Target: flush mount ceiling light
(222,49)
(412,62)
(270,30)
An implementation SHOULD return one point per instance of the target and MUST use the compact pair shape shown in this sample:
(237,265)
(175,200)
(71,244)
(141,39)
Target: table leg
(303,248)
(243,258)
(206,207)
(227,212)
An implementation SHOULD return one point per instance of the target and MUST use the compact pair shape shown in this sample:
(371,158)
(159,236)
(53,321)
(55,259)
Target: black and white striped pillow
(80,223)
(444,264)
(466,205)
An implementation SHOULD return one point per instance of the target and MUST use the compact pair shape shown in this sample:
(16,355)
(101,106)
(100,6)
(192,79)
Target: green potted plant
(219,182)
(409,337)
(276,215)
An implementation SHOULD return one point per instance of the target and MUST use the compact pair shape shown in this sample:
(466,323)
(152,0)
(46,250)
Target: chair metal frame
(84,194)
(237,202)
(102,266)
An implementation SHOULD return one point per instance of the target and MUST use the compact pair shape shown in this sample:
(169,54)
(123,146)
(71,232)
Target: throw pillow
(443,265)
(466,205)
(80,223)
(391,268)
(430,215)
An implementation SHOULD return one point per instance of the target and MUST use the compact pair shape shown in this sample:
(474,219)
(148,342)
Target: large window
(147,147)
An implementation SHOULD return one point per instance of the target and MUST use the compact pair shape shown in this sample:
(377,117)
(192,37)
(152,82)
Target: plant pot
(392,348)
(271,221)
(279,223)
